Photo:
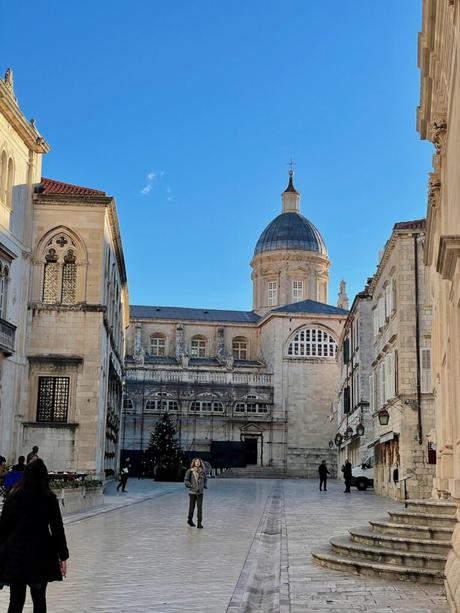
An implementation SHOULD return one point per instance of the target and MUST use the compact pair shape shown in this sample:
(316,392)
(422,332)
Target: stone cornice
(10,109)
(70,200)
(80,306)
(449,253)
(49,358)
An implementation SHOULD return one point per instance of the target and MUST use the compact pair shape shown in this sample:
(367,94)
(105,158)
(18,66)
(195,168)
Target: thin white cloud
(152,178)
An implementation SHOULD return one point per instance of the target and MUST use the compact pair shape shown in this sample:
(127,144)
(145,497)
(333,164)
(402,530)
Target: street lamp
(348,432)
(384,417)
(360,429)
(338,439)
(331,444)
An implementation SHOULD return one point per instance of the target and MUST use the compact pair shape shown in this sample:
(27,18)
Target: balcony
(7,337)
(197,376)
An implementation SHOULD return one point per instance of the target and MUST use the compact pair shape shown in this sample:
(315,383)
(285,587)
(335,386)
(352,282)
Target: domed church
(250,389)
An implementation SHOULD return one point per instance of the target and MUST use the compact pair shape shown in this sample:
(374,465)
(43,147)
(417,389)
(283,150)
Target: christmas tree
(164,450)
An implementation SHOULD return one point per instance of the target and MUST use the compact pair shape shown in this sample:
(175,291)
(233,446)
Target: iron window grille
(53,399)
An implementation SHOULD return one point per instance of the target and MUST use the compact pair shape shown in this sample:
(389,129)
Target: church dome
(290,230)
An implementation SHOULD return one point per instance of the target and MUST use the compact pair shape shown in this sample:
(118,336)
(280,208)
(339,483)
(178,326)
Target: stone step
(391,572)
(411,530)
(346,548)
(439,507)
(399,543)
(423,519)
(260,472)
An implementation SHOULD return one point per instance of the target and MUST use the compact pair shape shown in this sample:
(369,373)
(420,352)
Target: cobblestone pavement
(253,554)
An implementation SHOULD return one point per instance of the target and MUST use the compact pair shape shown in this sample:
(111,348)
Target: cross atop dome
(290,187)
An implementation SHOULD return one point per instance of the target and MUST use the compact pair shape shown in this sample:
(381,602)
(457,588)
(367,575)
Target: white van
(362,475)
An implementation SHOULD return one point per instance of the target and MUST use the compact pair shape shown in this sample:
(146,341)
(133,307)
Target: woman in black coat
(33,548)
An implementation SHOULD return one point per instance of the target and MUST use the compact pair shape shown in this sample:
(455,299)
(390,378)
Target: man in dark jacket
(323,473)
(124,475)
(346,469)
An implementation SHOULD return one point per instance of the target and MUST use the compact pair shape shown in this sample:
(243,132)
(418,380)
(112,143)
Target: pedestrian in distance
(20,466)
(33,455)
(33,548)
(323,473)
(196,482)
(346,470)
(124,475)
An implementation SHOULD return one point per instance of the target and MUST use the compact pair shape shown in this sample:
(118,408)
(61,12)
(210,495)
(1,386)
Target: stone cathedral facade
(264,379)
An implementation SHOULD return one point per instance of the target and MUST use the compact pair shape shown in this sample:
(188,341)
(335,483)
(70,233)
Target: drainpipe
(417,340)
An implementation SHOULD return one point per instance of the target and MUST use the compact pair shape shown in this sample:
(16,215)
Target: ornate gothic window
(69,278)
(312,343)
(240,348)
(50,281)
(60,271)
(157,344)
(53,399)
(198,347)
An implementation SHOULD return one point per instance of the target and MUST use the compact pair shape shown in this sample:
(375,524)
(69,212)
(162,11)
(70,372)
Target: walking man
(124,475)
(346,470)
(323,473)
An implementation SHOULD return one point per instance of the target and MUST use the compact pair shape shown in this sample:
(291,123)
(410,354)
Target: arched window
(312,343)
(157,344)
(251,404)
(199,347)
(4,279)
(60,271)
(206,406)
(9,184)
(50,279)
(151,405)
(3,177)
(240,348)
(69,278)
(128,405)
(163,402)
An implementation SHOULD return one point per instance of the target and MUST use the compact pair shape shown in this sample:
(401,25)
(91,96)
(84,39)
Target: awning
(374,442)
(389,436)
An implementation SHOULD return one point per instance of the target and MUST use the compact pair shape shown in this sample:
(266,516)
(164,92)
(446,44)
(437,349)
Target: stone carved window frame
(158,336)
(310,327)
(200,351)
(54,366)
(77,245)
(238,350)
(7,175)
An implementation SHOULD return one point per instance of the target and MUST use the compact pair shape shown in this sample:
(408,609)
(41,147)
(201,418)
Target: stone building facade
(355,421)
(78,313)
(21,152)
(438,120)
(265,378)
(63,308)
(400,385)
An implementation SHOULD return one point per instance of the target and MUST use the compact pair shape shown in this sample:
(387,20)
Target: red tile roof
(417,224)
(50,186)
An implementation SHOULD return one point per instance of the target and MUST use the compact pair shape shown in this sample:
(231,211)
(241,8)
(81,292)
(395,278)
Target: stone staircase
(412,546)
(254,472)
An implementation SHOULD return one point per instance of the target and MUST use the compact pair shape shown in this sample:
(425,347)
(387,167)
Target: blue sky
(188,113)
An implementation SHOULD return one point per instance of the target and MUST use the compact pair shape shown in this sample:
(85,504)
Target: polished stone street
(253,554)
